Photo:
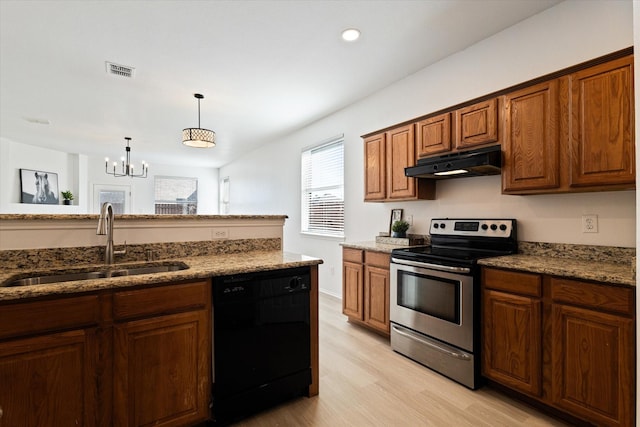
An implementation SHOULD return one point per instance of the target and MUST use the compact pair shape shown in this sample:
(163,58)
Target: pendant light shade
(198,137)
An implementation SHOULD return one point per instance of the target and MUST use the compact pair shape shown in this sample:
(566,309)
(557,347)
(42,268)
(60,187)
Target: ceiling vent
(120,70)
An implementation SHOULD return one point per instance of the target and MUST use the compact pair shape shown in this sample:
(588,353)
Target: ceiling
(265,68)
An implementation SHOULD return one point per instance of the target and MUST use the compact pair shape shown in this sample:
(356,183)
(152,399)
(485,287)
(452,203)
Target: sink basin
(46,278)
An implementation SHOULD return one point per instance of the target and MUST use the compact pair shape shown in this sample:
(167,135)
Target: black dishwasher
(261,341)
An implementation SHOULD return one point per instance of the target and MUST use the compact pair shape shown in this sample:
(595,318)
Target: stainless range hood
(479,162)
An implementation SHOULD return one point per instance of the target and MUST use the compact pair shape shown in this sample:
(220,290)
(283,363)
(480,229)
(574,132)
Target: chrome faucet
(105,226)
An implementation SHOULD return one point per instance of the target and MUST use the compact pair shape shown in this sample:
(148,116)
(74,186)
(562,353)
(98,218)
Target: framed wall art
(38,187)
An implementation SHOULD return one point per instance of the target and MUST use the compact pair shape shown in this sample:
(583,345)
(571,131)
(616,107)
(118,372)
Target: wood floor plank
(365,383)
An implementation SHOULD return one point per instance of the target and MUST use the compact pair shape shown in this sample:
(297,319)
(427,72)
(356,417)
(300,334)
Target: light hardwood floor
(364,383)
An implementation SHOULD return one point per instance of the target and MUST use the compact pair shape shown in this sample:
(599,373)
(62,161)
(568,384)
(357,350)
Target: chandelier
(198,137)
(127,167)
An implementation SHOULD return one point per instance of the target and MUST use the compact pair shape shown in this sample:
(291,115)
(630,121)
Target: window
(224,196)
(118,195)
(323,189)
(176,195)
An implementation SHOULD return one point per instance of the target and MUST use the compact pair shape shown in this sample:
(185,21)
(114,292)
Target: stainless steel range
(435,294)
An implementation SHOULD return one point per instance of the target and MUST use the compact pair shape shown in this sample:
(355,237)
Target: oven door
(434,300)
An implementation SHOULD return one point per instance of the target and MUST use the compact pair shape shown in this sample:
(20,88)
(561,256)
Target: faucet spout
(105,226)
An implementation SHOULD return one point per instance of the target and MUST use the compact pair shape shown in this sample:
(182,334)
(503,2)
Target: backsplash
(57,257)
(608,254)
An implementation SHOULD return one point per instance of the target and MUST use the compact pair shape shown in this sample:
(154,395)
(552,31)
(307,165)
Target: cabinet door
(352,290)
(376,298)
(375,178)
(602,130)
(531,144)
(163,368)
(477,124)
(512,341)
(593,365)
(49,380)
(434,135)
(402,154)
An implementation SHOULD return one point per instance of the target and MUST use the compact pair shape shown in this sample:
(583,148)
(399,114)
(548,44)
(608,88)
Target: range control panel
(472,227)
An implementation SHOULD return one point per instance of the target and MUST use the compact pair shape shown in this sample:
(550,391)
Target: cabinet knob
(1,412)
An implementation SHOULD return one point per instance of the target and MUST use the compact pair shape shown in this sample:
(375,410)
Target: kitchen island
(125,349)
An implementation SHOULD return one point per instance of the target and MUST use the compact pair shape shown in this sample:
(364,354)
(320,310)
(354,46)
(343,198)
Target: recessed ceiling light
(351,34)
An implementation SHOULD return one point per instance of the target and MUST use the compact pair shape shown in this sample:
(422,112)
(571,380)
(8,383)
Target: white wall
(268,180)
(80,173)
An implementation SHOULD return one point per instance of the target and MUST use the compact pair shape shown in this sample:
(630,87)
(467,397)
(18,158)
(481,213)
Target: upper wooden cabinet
(386,156)
(375,173)
(477,124)
(531,144)
(571,134)
(434,135)
(602,125)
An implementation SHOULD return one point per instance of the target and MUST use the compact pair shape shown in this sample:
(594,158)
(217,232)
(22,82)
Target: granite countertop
(604,264)
(607,272)
(200,267)
(64,217)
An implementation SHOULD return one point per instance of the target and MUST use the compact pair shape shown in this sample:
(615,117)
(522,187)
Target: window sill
(322,236)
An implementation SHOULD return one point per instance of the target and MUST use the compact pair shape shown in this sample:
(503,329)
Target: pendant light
(127,167)
(198,137)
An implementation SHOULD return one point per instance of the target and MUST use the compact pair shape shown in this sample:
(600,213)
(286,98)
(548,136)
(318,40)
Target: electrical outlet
(589,223)
(219,233)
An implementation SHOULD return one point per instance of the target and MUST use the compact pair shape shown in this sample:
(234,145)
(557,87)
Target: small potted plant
(68,197)
(399,228)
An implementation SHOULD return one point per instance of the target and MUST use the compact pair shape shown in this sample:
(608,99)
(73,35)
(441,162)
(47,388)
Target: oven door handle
(432,266)
(447,351)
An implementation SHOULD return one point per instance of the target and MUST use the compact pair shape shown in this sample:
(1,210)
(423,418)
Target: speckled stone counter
(371,246)
(605,264)
(199,267)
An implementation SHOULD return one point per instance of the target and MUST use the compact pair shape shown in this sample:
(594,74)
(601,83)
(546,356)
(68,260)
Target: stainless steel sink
(46,278)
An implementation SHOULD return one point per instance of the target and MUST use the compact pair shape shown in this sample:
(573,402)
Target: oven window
(430,295)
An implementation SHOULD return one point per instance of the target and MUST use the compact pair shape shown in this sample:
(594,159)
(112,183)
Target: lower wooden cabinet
(161,361)
(569,344)
(127,358)
(365,288)
(49,380)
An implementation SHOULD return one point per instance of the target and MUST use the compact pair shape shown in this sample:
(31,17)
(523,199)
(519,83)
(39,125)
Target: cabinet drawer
(377,258)
(352,255)
(512,281)
(160,300)
(29,318)
(600,297)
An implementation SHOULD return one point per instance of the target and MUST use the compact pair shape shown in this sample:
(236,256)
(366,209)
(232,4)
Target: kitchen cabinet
(593,351)
(573,133)
(602,125)
(127,358)
(477,124)
(375,172)
(582,337)
(511,329)
(365,288)
(386,156)
(531,144)
(48,362)
(434,135)
(162,347)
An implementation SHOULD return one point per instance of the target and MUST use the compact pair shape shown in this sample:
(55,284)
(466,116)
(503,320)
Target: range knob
(435,225)
(442,225)
(484,226)
(494,227)
(503,227)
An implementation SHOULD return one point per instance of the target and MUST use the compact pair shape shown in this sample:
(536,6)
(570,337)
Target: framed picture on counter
(38,187)
(396,215)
